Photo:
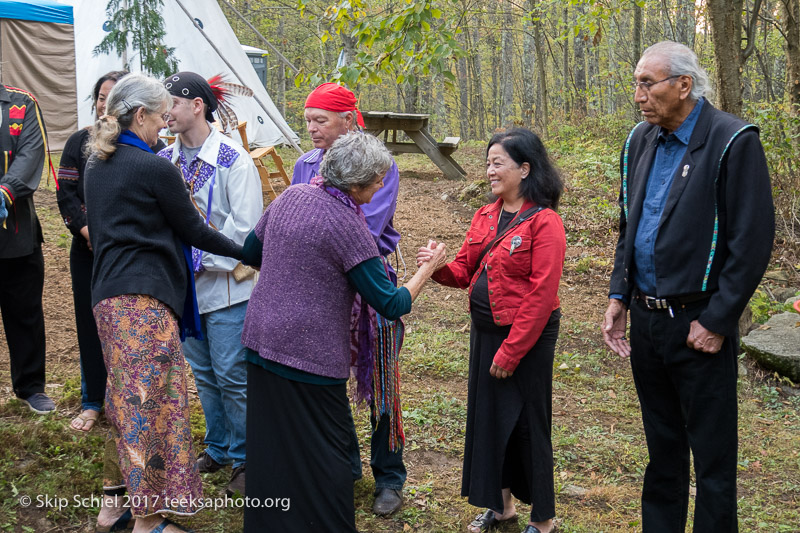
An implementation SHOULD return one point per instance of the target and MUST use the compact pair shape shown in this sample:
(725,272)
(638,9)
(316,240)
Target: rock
(777,346)
(783,293)
(745,322)
(444,197)
(473,190)
(574,490)
(742,370)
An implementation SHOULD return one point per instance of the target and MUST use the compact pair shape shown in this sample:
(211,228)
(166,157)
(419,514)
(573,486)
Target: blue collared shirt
(669,153)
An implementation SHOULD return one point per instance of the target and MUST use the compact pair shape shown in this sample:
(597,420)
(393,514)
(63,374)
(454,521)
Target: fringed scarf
(375,344)
(386,375)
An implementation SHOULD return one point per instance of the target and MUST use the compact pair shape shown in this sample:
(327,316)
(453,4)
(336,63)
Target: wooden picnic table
(416,127)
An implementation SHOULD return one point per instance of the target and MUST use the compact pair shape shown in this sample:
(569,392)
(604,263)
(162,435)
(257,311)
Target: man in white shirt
(226,190)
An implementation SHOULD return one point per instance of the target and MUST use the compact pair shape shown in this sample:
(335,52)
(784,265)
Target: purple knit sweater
(299,312)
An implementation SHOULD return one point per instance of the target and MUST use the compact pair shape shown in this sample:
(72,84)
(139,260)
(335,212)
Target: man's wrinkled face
(326,126)
(661,102)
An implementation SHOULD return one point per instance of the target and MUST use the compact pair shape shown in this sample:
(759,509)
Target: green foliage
(764,306)
(402,47)
(140,24)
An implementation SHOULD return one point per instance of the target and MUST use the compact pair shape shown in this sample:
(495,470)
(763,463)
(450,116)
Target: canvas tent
(37,54)
(265,125)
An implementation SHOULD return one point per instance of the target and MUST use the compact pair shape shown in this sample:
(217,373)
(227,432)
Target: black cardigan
(139,211)
(726,185)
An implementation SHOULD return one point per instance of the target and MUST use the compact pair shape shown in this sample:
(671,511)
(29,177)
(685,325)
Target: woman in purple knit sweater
(319,267)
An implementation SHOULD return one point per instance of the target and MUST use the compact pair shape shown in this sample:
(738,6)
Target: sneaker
(207,465)
(236,485)
(40,403)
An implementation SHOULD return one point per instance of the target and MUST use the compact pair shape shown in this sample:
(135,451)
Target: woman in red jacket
(511,262)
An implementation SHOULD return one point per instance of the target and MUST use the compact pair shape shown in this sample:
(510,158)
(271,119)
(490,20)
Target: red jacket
(523,286)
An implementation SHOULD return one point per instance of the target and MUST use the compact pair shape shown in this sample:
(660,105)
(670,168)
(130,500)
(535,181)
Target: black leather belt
(670,303)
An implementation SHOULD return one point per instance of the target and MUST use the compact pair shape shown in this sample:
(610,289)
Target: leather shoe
(206,464)
(236,485)
(387,501)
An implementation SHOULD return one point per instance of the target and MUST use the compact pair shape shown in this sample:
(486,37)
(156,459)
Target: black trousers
(688,401)
(93,369)
(23,320)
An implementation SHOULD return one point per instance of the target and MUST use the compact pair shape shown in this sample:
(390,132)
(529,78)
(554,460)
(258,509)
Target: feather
(233,120)
(220,92)
(224,119)
(234,89)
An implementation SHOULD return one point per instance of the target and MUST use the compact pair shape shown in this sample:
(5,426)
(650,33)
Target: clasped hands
(427,254)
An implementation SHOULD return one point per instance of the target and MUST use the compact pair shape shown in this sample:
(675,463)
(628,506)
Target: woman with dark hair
(73,211)
(511,262)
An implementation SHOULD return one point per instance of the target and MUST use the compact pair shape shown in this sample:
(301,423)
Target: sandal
(166,523)
(488,521)
(124,522)
(87,423)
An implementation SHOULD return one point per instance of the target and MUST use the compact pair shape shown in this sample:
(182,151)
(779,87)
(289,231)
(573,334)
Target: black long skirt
(508,438)
(298,462)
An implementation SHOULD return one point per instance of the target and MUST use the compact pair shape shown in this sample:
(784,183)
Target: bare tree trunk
(507,54)
(528,60)
(565,86)
(542,114)
(463,95)
(494,49)
(791,29)
(726,29)
(685,22)
(637,32)
(478,105)
(281,85)
(579,47)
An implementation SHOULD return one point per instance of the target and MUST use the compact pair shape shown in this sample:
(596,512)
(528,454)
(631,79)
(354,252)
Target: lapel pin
(685,170)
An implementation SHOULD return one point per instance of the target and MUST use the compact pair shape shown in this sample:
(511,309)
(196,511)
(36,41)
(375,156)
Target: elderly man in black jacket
(696,231)
(22,151)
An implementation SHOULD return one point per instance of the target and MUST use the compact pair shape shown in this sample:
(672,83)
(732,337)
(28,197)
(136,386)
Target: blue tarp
(39,10)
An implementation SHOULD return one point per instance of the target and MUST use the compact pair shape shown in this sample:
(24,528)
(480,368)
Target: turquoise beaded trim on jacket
(625,171)
(716,209)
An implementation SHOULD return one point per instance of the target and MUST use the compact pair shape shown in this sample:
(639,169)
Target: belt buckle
(655,303)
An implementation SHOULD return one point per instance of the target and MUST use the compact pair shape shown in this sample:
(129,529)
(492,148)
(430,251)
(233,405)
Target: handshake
(433,256)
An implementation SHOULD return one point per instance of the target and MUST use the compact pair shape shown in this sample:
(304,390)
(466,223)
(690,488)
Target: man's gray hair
(682,61)
(354,160)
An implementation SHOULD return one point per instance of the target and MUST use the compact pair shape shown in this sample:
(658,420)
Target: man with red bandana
(330,111)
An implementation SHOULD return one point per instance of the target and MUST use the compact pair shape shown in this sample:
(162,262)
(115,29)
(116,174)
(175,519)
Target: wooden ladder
(259,155)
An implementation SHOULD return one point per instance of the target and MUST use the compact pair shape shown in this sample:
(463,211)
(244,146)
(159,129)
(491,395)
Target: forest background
(565,69)
(561,67)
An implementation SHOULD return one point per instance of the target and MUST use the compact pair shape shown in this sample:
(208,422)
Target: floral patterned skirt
(147,405)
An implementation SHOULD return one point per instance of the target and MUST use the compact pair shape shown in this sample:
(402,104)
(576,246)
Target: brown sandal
(87,422)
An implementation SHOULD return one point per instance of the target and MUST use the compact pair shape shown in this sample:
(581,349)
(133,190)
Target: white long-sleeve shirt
(236,207)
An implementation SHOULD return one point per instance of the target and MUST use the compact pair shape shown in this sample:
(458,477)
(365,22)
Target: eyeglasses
(646,85)
(165,117)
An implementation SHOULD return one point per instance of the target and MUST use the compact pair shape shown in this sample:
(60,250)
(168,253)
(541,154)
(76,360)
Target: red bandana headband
(333,97)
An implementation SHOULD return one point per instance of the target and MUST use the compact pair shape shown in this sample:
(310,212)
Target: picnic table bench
(415,126)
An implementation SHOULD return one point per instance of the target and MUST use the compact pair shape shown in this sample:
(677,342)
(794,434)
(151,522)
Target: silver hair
(345,114)
(354,160)
(135,91)
(682,61)
(128,95)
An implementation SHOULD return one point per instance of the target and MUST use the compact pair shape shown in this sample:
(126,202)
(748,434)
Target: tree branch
(751,32)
